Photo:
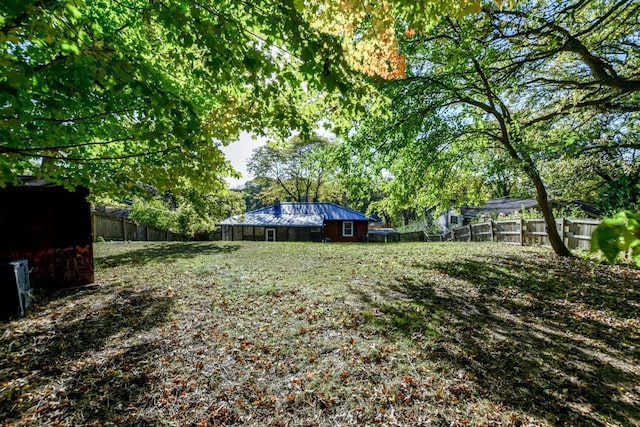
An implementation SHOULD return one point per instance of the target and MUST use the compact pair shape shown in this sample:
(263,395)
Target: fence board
(579,232)
(576,233)
(433,237)
(507,231)
(114,227)
(482,232)
(414,236)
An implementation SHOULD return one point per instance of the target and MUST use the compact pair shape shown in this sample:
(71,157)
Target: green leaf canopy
(114,93)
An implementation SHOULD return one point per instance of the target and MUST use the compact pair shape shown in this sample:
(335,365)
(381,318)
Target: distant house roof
(503,205)
(288,214)
(31,181)
(27,181)
(120,212)
(588,209)
(507,205)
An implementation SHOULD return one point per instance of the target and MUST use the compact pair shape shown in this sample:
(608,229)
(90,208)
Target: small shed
(287,221)
(49,226)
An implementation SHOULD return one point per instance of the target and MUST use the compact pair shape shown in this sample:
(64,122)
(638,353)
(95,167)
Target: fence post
(93,227)
(124,230)
(470,233)
(522,232)
(562,231)
(493,233)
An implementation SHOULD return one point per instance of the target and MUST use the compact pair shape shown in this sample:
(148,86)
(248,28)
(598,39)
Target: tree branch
(82,118)
(88,159)
(66,147)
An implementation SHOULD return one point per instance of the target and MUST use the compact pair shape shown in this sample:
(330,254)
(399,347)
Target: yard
(250,333)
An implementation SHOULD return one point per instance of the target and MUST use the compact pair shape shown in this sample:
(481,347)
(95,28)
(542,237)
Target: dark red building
(298,222)
(50,226)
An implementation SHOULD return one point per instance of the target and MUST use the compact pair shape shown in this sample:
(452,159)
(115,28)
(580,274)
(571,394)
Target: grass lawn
(305,334)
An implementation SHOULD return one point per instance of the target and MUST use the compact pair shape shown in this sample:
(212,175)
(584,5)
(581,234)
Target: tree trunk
(552,230)
(529,168)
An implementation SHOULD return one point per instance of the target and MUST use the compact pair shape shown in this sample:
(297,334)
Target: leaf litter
(329,334)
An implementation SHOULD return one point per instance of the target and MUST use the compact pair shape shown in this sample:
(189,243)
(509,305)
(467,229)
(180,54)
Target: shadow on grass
(552,339)
(66,363)
(163,252)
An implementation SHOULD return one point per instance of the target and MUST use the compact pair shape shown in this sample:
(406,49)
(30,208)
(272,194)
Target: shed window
(347,229)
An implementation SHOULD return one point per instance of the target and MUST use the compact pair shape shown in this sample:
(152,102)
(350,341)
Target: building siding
(297,222)
(283,234)
(333,231)
(51,228)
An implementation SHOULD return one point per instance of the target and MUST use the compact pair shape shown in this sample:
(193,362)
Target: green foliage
(294,170)
(572,176)
(569,211)
(250,192)
(115,95)
(618,235)
(622,192)
(428,226)
(558,212)
(600,161)
(489,98)
(424,160)
(154,212)
(187,214)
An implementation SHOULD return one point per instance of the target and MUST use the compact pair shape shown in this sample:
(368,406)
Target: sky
(238,153)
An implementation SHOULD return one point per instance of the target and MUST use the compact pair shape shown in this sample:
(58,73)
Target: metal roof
(503,205)
(507,205)
(589,209)
(288,214)
(31,181)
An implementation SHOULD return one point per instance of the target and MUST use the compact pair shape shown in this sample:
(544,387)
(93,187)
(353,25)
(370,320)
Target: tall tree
(113,93)
(250,192)
(505,78)
(571,56)
(296,169)
(602,157)
(425,161)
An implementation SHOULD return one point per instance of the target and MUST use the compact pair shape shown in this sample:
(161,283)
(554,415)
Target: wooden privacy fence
(393,236)
(420,236)
(115,227)
(576,233)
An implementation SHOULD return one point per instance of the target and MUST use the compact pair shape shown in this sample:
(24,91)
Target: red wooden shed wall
(51,228)
(333,231)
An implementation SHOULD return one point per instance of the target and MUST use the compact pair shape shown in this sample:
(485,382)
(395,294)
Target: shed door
(270,234)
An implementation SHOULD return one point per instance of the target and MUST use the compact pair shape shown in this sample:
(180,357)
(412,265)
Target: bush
(618,235)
